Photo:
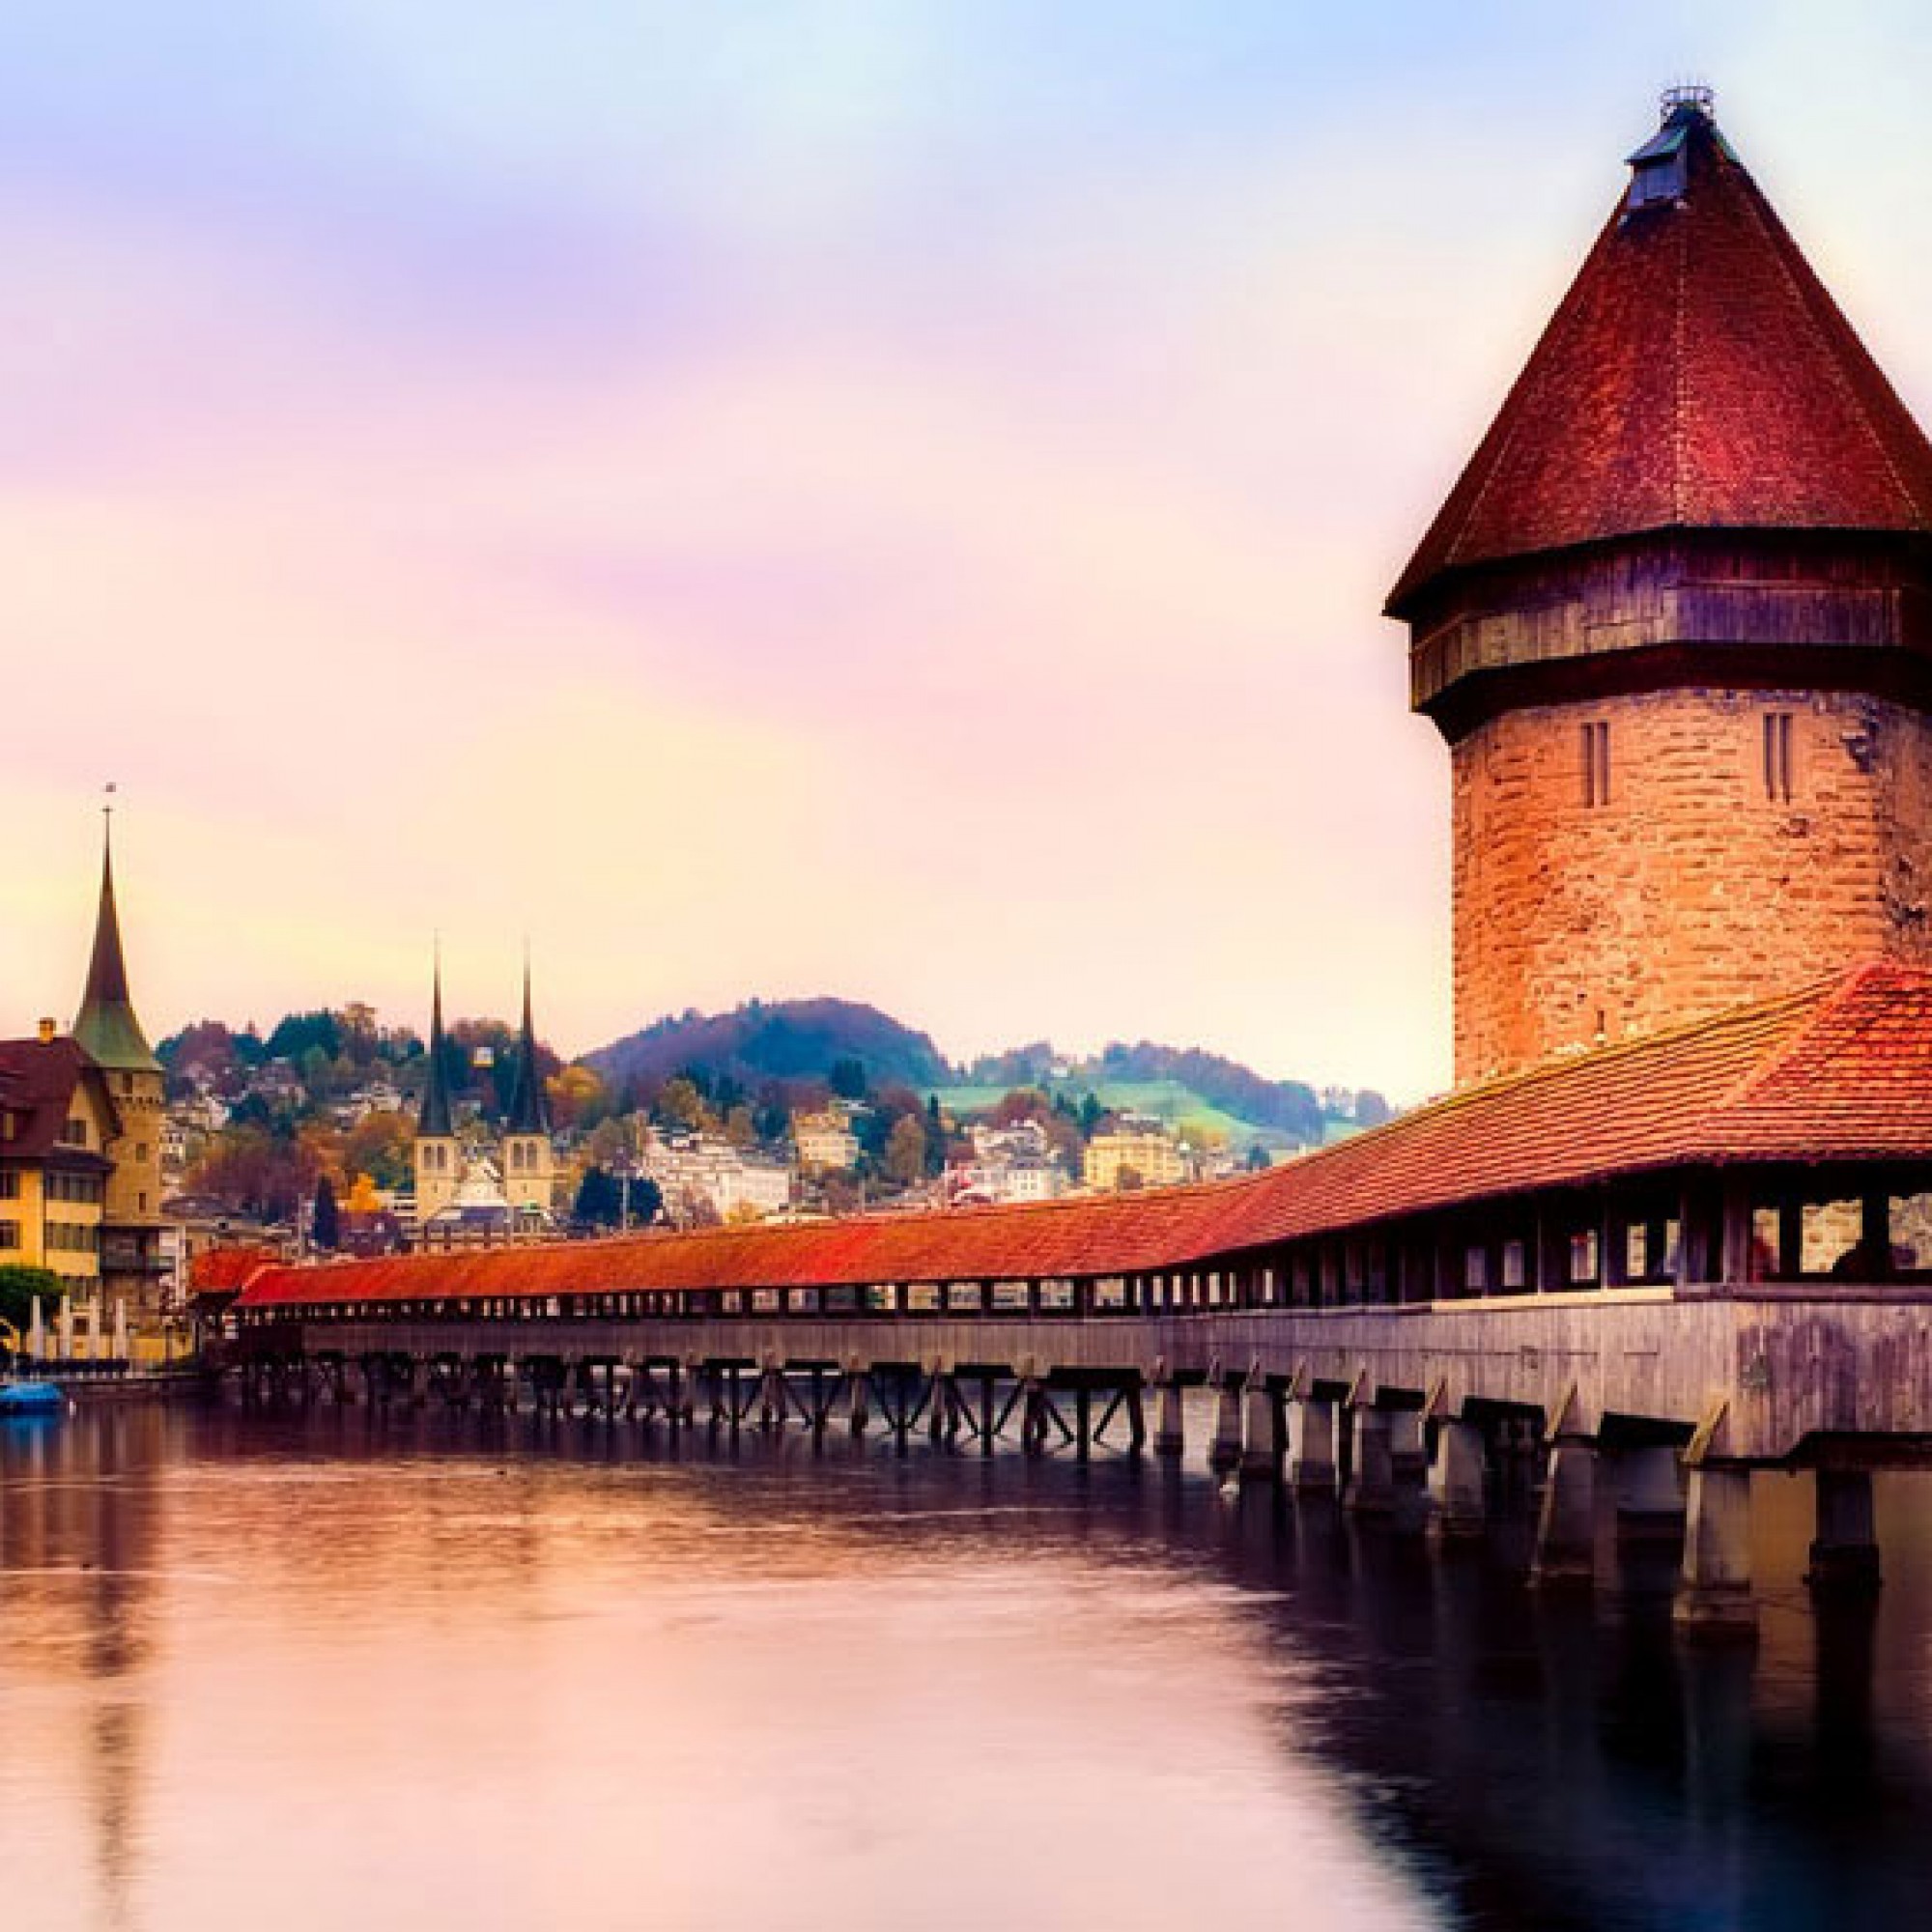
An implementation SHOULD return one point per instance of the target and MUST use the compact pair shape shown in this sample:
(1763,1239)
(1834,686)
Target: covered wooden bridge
(1667,1261)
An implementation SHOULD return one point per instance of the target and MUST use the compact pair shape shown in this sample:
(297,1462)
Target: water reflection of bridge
(1612,1391)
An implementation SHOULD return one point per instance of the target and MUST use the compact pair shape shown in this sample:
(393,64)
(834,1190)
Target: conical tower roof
(529,1103)
(106,1027)
(1696,376)
(435,1122)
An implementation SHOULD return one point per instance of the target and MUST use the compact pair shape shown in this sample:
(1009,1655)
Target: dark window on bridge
(923,1298)
(882,1297)
(1516,1265)
(1584,1258)
(1055,1298)
(840,1301)
(964,1298)
(1010,1297)
(1476,1268)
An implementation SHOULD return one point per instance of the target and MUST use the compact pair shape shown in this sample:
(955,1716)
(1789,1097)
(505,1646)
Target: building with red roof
(1674,622)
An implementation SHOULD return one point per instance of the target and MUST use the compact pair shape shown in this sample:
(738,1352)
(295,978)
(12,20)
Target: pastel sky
(889,498)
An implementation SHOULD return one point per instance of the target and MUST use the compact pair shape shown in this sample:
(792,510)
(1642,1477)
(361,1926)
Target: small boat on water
(21,1398)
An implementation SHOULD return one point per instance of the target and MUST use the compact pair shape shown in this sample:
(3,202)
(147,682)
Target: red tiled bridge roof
(1839,1071)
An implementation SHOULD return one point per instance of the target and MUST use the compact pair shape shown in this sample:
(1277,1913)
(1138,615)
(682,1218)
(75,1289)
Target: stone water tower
(1675,623)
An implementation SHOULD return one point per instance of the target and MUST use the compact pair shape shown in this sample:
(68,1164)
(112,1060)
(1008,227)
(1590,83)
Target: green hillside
(1171,1101)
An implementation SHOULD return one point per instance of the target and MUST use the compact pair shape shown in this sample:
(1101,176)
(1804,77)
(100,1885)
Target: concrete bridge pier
(1371,1487)
(1224,1452)
(1566,1530)
(1650,1495)
(1456,1481)
(1714,1599)
(1311,1445)
(1261,1447)
(1170,1430)
(1844,1551)
(1408,1454)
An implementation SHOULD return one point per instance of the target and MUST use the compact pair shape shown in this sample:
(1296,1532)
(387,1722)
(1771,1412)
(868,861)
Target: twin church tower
(447,1182)
(1675,623)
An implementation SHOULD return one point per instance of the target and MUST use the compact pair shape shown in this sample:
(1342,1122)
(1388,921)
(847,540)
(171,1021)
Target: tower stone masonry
(1675,623)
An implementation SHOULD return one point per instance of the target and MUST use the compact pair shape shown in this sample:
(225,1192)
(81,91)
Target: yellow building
(57,1122)
(825,1142)
(1146,1156)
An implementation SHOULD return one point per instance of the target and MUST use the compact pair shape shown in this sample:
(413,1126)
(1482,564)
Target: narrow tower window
(1595,764)
(1777,756)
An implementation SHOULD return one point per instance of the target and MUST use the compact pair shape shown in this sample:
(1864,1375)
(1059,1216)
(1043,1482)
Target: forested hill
(790,1039)
(832,1040)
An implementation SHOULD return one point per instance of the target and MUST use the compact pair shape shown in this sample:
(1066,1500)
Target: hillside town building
(703,1177)
(1133,1157)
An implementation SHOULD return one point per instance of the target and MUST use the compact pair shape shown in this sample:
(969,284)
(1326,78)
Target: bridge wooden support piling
(1170,1428)
(1844,1550)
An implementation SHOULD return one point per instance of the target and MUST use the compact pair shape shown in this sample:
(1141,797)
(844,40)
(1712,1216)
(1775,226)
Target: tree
(1258,1158)
(681,1105)
(380,1146)
(905,1150)
(20,1286)
(600,1200)
(577,1096)
(847,1076)
(1022,1103)
(325,1221)
(297,1033)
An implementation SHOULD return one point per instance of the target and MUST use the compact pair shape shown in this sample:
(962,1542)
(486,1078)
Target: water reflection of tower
(78,1542)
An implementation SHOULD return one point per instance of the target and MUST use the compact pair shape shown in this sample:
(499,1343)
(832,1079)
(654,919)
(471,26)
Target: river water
(344,1669)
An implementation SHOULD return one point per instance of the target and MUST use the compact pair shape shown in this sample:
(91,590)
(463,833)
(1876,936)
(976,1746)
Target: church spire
(107,1028)
(435,1122)
(529,1104)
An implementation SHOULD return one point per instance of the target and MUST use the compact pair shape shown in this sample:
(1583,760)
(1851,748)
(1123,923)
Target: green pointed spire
(435,1122)
(529,1104)
(106,1029)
